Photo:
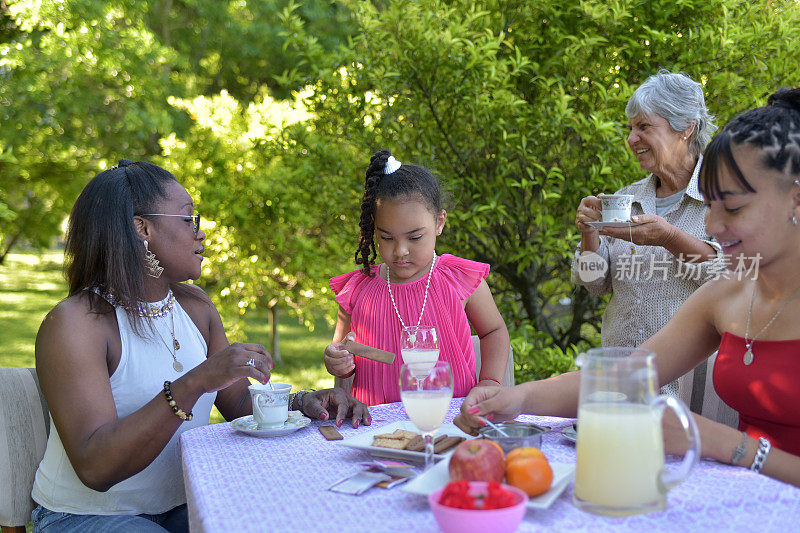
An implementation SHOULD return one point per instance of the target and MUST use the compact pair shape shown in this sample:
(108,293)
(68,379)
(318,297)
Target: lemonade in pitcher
(621,441)
(620,464)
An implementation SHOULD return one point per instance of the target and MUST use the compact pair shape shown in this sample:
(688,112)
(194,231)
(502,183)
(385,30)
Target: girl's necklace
(748,354)
(424,299)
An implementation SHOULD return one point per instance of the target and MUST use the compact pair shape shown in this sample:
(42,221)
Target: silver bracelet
(764,446)
(740,450)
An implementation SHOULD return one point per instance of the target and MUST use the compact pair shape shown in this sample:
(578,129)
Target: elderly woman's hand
(589,210)
(323,404)
(650,230)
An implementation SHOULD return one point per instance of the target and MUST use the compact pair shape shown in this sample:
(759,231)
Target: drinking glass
(420,344)
(426,398)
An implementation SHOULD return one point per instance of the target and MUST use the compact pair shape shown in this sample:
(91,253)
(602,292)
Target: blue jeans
(175,521)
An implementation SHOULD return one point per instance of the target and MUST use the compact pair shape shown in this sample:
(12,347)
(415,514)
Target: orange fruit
(524,451)
(531,473)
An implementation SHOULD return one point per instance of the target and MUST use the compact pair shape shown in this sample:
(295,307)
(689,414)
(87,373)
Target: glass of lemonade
(426,390)
(620,465)
(420,344)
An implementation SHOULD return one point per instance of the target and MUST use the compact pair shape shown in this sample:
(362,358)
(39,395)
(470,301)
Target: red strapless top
(767,392)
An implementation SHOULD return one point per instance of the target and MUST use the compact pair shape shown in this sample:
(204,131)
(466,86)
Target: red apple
(478,460)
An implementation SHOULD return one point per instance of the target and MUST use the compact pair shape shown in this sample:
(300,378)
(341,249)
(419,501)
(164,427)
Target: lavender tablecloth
(235,482)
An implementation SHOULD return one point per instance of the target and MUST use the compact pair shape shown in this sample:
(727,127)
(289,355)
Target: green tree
(519,106)
(86,82)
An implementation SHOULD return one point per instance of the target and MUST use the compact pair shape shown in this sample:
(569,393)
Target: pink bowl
(505,520)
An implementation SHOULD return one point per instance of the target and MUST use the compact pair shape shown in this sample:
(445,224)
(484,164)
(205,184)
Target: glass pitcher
(620,466)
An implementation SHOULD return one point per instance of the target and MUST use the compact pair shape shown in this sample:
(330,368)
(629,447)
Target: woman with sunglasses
(133,357)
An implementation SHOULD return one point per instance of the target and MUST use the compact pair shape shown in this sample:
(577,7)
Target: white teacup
(616,207)
(270,405)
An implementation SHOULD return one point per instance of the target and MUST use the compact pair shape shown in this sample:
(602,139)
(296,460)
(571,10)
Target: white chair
(508,378)
(24,427)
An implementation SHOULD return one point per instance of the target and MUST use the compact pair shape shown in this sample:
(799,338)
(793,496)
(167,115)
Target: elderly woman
(133,357)
(659,260)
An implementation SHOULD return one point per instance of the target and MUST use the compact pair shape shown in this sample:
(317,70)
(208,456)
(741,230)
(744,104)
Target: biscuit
(330,433)
(417,444)
(395,444)
(446,443)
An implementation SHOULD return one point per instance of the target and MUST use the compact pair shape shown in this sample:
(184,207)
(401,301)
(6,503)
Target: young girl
(401,210)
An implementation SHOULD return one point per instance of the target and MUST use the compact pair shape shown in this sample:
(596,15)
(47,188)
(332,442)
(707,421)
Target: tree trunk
(276,347)
(11,244)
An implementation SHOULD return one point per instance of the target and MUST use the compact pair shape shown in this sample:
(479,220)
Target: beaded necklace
(424,299)
(153,311)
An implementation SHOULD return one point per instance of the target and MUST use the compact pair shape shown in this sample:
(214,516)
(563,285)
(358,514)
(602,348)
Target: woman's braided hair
(411,182)
(774,128)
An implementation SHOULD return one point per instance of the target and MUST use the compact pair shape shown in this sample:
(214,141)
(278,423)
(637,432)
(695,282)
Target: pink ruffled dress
(375,323)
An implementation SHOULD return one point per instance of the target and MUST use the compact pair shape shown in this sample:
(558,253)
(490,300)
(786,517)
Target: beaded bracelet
(175,409)
(764,446)
(491,379)
(299,395)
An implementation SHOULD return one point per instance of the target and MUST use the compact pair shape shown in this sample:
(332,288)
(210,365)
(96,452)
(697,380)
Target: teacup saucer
(246,424)
(601,225)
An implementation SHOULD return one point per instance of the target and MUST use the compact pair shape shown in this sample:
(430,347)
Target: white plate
(439,476)
(570,433)
(601,225)
(246,424)
(363,441)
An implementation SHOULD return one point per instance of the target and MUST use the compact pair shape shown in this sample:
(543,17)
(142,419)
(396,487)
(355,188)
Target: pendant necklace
(748,354)
(424,299)
(154,311)
(177,365)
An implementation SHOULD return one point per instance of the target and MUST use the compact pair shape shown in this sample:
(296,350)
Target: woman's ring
(251,362)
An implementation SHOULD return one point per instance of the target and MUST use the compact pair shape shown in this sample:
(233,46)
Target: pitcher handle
(668,480)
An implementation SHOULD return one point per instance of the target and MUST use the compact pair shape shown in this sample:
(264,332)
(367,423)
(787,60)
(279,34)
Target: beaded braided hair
(774,129)
(408,182)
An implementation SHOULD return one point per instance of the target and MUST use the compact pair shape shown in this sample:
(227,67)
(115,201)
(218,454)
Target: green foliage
(535,358)
(269,111)
(84,83)
(519,106)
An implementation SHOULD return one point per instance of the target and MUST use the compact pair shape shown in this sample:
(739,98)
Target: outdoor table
(237,482)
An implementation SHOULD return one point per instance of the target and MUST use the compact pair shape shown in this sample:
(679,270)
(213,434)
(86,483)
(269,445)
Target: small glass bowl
(520,434)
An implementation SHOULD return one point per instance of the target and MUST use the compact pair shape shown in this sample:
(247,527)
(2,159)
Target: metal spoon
(494,426)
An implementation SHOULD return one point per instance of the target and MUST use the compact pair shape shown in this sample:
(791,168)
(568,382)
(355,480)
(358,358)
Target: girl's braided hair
(411,182)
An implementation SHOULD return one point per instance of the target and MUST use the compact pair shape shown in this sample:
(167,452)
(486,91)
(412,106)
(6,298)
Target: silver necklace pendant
(177,365)
(748,355)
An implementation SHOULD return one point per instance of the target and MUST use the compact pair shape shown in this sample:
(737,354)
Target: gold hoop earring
(151,263)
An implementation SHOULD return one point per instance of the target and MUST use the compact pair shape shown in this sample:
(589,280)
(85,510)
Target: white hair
(679,99)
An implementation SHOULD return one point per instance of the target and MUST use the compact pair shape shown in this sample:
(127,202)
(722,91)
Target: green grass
(32,283)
